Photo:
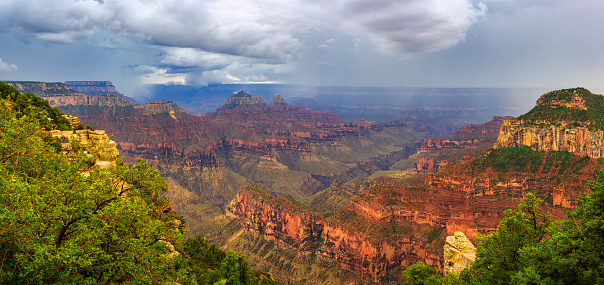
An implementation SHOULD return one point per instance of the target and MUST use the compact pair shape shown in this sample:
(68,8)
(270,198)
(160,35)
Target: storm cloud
(258,29)
(434,43)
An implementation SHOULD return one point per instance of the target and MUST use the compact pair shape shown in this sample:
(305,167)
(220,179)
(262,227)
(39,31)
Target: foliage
(421,274)
(66,221)
(207,264)
(510,160)
(506,252)
(29,105)
(548,110)
(531,248)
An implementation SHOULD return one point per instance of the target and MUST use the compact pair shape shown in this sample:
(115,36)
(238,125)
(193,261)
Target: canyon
(379,226)
(207,159)
(290,186)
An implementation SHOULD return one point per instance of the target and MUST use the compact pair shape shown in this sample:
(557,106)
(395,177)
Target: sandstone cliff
(561,137)
(310,233)
(564,120)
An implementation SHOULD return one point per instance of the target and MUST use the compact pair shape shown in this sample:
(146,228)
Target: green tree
(66,221)
(421,274)
(235,269)
(576,246)
(503,254)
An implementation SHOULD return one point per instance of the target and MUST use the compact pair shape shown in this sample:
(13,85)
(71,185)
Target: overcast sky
(406,43)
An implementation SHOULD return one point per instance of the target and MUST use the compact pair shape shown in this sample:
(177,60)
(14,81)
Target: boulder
(459,253)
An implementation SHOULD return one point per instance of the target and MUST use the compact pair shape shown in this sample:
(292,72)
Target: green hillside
(577,106)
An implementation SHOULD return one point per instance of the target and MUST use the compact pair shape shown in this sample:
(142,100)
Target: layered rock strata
(562,120)
(94,88)
(313,234)
(559,137)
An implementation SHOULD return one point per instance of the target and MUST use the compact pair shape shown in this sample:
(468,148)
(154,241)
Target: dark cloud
(411,26)
(440,43)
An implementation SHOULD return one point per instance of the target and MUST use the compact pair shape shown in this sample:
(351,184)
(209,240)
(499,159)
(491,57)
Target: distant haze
(473,105)
(406,43)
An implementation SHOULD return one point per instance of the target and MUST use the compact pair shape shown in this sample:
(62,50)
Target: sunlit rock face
(562,120)
(459,253)
(562,137)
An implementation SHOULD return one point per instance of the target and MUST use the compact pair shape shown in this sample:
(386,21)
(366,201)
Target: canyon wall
(558,137)
(313,234)
(392,223)
(94,88)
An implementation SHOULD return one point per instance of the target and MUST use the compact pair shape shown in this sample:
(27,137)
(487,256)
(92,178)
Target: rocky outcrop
(161,107)
(485,130)
(96,141)
(562,120)
(429,164)
(108,100)
(559,137)
(57,94)
(466,136)
(241,100)
(278,101)
(459,253)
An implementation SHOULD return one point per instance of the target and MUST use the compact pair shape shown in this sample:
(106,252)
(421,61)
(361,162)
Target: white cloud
(5,66)
(154,75)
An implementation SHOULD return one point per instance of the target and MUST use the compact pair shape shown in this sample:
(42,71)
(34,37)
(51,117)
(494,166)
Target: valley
(314,198)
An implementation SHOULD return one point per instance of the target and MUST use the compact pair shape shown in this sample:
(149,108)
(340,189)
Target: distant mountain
(93,88)
(438,110)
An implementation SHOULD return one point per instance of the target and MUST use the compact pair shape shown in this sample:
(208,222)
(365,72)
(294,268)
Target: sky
(378,43)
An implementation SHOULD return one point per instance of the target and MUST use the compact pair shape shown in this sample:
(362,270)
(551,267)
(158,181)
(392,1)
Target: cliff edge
(563,120)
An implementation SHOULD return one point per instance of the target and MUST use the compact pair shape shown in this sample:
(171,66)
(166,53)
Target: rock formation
(467,135)
(459,253)
(281,220)
(559,137)
(278,101)
(107,100)
(242,100)
(563,120)
(94,88)
(430,164)
(96,141)
(159,107)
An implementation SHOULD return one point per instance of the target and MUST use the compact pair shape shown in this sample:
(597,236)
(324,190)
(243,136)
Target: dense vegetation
(548,109)
(532,248)
(27,104)
(65,220)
